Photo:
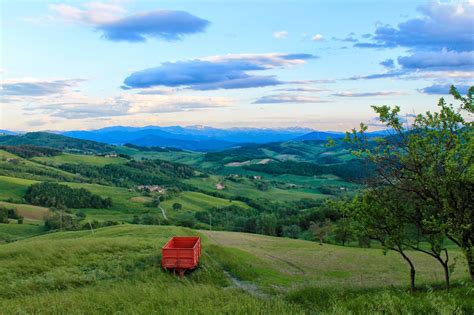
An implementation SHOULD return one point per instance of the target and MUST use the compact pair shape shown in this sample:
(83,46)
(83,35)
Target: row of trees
(133,173)
(351,170)
(29,151)
(50,194)
(9,213)
(67,220)
(423,191)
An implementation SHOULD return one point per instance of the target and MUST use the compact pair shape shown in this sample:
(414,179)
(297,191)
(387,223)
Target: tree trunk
(412,271)
(470,261)
(446,274)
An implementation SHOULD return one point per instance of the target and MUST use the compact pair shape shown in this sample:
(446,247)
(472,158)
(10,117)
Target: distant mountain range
(197,138)
(55,141)
(7,132)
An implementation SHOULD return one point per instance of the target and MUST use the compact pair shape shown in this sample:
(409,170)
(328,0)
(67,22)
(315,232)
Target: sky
(68,65)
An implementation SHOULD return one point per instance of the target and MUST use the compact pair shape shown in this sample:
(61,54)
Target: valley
(254,206)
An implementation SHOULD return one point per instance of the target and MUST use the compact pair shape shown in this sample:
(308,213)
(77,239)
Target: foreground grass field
(117,270)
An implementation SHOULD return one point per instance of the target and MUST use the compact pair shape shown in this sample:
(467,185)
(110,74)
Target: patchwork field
(80,159)
(29,212)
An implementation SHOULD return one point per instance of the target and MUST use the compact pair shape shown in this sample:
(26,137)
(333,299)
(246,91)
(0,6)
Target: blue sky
(317,64)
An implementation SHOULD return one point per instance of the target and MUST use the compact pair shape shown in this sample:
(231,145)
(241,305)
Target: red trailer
(181,253)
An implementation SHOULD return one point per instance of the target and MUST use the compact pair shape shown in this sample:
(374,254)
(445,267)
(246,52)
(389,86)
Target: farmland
(98,256)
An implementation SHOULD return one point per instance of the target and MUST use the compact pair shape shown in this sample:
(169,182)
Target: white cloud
(280,34)
(366,94)
(94,13)
(266,60)
(288,98)
(317,38)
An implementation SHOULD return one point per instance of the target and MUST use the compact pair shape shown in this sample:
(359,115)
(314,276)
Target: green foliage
(152,148)
(292,231)
(425,173)
(185,219)
(60,220)
(9,213)
(29,151)
(133,173)
(266,224)
(343,231)
(354,170)
(231,218)
(56,141)
(60,196)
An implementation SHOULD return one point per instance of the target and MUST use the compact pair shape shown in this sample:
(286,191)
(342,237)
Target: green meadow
(117,270)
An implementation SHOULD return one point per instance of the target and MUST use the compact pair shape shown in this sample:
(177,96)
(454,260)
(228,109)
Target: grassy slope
(301,262)
(195,201)
(12,232)
(29,212)
(125,203)
(117,269)
(30,169)
(80,159)
(12,188)
(248,189)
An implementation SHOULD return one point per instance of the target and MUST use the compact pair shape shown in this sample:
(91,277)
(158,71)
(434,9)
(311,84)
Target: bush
(292,231)
(186,219)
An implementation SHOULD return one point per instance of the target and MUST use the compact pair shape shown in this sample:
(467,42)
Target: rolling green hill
(56,141)
(80,159)
(117,269)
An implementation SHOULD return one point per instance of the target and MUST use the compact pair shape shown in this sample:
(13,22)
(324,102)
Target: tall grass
(117,270)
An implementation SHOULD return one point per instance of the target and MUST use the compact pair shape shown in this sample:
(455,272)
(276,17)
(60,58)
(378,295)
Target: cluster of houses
(108,155)
(152,188)
(235,176)
(220,186)
(12,160)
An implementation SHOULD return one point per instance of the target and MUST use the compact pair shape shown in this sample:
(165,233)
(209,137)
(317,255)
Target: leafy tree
(3,215)
(292,231)
(431,163)
(186,219)
(156,202)
(80,214)
(62,196)
(380,216)
(343,231)
(266,224)
(321,229)
(177,206)
(136,219)
(9,213)
(149,219)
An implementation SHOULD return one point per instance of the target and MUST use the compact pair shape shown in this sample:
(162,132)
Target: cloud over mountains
(216,72)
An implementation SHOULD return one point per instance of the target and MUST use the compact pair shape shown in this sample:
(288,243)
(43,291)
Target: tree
(292,231)
(431,161)
(266,224)
(379,215)
(320,230)
(177,206)
(343,231)
(156,202)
